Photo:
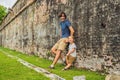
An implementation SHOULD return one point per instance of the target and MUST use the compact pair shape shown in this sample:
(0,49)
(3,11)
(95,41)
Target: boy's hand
(67,54)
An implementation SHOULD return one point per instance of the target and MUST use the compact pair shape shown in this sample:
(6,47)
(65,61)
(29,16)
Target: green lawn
(10,69)
(68,75)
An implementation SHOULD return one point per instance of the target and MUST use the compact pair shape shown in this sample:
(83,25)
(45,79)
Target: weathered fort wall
(32,26)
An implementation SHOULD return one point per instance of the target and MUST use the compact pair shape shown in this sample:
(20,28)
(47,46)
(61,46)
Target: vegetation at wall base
(44,63)
(11,69)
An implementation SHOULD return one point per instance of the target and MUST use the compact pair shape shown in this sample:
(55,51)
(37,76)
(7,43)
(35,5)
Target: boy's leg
(68,66)
(67,59)
(70,60)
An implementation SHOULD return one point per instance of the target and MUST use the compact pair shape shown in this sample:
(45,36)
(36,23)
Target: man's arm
(60,33)
(71,31)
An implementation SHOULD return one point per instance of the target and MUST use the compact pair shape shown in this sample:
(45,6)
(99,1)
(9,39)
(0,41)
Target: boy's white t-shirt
(72,46)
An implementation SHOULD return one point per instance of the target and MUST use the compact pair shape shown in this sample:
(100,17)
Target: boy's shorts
(61,44)
(70,59)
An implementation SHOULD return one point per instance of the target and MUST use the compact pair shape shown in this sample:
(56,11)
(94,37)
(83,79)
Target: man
(66,31)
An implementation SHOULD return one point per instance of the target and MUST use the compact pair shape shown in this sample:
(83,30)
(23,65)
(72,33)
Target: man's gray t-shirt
(72,46)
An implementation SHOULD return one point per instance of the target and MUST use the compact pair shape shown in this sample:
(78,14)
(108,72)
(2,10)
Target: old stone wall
(33,27)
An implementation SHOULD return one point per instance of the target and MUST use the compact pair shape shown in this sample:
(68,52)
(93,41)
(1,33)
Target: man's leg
(54,50)
(56,57)
(63,59)
(60,46)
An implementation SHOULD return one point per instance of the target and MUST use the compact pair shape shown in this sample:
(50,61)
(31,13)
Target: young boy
(71,55)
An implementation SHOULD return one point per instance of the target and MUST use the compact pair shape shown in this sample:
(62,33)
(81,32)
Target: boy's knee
(69,63)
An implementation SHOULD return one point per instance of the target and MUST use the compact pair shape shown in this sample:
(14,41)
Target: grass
(44,63)
(10,69)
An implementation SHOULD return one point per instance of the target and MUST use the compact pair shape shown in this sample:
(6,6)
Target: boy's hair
(71,37)
(60,15)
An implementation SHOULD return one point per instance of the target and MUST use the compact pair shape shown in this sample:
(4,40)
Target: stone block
(112,77)
(79,78)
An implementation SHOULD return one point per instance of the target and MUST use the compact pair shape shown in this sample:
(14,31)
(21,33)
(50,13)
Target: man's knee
(58,52)
(52,50)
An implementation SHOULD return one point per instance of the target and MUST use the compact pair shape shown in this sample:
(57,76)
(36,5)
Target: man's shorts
(61,44)
(70,59)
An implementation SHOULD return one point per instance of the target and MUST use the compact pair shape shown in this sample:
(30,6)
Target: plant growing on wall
(3,12)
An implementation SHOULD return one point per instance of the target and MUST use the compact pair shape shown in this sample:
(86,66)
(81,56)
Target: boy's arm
(70,51)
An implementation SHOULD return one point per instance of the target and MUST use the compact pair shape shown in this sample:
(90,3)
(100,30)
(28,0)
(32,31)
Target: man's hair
(60,15)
